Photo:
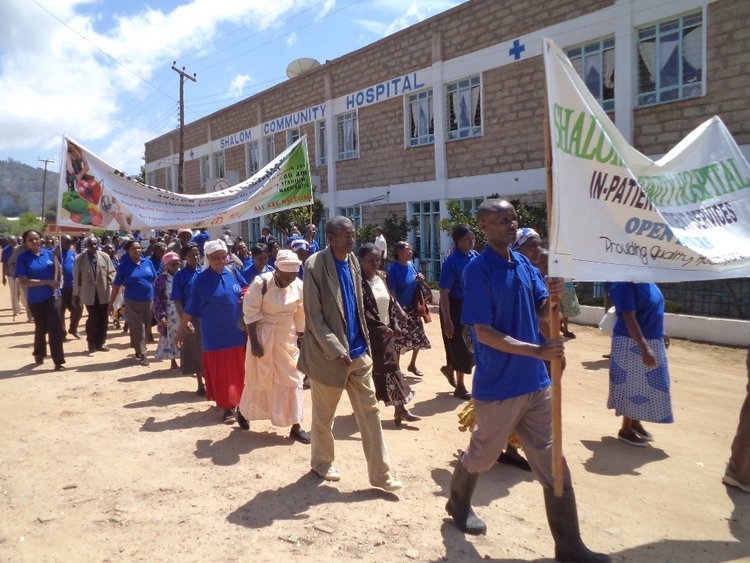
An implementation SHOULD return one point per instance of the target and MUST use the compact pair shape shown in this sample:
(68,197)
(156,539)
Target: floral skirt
(412,335)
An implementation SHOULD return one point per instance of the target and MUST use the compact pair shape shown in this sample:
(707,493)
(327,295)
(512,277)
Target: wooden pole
(554,330)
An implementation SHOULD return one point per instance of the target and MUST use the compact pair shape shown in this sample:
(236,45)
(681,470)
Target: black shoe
(103,348)
(405,415)
(59,367)
(144,361)
(229,417)
(514,459)
(300,436)
(201,391)
(241,420)
(39,360)
(74,334)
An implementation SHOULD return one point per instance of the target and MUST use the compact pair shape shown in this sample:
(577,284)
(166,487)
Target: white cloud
(291,41)
(52,81)
(415,12)
(237,85)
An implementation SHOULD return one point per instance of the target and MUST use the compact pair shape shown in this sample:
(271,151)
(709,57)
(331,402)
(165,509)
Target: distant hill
(21,187)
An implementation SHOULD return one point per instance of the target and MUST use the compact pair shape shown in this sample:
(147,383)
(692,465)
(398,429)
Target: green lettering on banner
(572,140)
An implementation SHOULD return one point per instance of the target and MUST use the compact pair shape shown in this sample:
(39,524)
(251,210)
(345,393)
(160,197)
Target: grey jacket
(325,325)
(84,284)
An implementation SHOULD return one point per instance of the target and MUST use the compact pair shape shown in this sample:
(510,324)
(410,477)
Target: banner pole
(553,316)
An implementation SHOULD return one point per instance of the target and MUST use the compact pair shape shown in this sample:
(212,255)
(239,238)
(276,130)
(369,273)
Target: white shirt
(381,245)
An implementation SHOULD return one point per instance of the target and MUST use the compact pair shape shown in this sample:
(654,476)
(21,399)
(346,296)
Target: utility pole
(183,76)
(46,161)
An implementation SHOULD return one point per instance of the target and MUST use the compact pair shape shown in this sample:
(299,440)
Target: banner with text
(94,194)
(617,215)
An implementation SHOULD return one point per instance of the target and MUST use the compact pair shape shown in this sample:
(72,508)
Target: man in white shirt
(381,245)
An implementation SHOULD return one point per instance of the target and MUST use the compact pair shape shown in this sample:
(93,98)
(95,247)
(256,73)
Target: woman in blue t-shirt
(36,272)
(638,372)
(137,275)
(216,299)
(191,353)
(402,282)
(459,359)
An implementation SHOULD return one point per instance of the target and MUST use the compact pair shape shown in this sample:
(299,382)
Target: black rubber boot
(562,516)
(458,506)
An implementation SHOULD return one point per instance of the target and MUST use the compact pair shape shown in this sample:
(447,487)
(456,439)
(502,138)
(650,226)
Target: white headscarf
(212,246)
(287,261)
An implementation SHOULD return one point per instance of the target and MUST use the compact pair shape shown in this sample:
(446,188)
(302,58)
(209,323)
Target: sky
(100,71)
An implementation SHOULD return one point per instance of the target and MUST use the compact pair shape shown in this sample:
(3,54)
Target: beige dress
(273,386)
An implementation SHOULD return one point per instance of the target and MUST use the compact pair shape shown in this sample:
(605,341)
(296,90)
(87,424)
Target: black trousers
(47,323)
(75,312)
(96,324)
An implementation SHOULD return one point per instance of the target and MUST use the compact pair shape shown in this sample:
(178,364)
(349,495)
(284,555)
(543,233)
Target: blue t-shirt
(249,271)
(68,261)
(453,267)
(647,302)
(314,247)
(7,251)
(354,336)
(182,284)
(138,279)
(200,239)
(215,300)
(35,267)
(504,295)
(403,281)
(157,264)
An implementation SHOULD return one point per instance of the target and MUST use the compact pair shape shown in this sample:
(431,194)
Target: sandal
(449,375)
(415,371)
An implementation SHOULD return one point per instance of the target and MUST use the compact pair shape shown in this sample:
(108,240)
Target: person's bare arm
(489,336)
(634,330)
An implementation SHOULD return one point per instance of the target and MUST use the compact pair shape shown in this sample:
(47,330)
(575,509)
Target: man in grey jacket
(93,274)
(334,355)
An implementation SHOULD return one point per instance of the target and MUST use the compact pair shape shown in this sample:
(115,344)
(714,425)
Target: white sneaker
(331,475)
(727,480)
(390,485)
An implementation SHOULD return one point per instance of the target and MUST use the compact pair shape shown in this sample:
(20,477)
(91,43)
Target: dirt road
(110,461)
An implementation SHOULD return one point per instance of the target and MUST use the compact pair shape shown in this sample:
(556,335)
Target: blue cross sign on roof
(517,49)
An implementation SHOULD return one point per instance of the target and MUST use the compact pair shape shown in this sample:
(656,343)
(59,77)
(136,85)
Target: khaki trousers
(739,464)
(531,417)
(361,393)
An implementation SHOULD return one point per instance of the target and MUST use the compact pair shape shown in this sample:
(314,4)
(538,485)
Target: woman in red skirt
(215,299)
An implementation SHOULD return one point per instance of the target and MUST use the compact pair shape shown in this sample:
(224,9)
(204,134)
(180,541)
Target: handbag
(421,308)
(423,288)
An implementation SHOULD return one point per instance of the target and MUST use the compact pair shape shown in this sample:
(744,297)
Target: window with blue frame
(464,107)
(352,213)
(670,60)
(595,64)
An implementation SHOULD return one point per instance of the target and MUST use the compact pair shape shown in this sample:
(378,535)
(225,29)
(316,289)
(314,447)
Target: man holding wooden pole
(505,300)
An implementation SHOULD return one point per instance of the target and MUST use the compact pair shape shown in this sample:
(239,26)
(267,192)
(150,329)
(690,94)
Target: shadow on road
(292,501)
(613,457)
(227,451)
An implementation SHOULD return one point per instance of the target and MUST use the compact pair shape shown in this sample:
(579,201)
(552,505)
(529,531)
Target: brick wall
(383,159)
(658,128)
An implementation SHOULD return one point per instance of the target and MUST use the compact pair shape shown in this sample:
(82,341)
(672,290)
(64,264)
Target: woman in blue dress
(35,271)
(402,282)
(638,372)
(215,299)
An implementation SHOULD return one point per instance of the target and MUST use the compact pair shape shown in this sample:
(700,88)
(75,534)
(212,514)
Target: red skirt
(224,372)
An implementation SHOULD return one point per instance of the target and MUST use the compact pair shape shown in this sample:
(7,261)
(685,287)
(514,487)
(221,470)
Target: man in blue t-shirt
(334,355)
(67,262)
(505,299)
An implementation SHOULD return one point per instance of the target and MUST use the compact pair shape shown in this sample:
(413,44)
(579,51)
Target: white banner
(619,216)
(94,194)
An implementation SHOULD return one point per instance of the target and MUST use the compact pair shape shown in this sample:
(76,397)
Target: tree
(283,221)
(532,215)
(395,229)
(27,221)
